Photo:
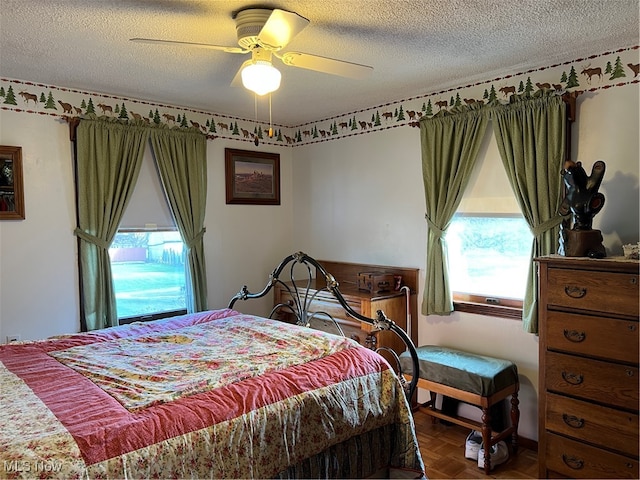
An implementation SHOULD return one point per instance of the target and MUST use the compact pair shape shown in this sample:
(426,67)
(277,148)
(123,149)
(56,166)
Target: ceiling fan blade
(325,65)
(190,44)
(280,28)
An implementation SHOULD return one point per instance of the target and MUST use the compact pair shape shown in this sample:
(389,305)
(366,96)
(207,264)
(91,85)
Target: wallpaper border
(590,74)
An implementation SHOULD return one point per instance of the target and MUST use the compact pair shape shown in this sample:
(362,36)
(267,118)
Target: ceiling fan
(263,33)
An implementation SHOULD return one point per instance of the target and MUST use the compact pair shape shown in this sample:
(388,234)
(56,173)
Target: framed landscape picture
(252,178)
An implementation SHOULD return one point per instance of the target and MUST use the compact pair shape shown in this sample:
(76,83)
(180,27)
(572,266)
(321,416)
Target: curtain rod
(570,99)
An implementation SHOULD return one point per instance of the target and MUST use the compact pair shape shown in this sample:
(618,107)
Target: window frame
(482,305)
(151,316)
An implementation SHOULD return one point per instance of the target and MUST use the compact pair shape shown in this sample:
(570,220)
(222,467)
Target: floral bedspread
(197,358)
(79,407)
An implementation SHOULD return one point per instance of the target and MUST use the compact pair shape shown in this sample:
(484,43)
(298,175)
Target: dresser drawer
(609,292)
(593,336)
(602,426)
(330,306)
(350,329)
(577,460)
(603,382)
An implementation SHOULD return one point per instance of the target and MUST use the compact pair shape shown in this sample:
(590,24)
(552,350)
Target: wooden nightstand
(393,302)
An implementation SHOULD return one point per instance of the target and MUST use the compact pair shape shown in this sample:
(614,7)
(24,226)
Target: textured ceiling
(416,47)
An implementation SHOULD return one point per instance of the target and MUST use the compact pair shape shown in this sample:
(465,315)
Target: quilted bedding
(215,394)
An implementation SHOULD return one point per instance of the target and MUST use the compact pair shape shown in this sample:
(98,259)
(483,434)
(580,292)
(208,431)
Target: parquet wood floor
(442,449)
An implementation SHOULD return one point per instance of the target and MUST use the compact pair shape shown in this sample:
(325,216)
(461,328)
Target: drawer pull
(629,373)
(371,342)
(574,336)
(572,378)
(632,327)
(575,292)
(573,421)
(572,462)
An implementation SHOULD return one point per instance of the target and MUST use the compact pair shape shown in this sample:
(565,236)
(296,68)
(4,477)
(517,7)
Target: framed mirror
(11,189)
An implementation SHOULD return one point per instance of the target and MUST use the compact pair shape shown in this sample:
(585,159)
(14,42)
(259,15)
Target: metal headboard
(302,298)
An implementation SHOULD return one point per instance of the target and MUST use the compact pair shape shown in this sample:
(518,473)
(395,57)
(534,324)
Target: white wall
(607,129)
(361,199)
(243,243)
(38,255)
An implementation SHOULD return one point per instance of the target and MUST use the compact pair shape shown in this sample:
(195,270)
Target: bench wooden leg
(486,439)
(515,419)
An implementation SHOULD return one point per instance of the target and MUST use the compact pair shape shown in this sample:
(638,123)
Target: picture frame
(252,178)
(11,187)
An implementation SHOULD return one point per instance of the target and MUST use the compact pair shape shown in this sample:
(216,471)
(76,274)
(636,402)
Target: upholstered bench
(474,379)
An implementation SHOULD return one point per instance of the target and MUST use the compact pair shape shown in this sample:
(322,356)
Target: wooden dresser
(393,303)
(588,402)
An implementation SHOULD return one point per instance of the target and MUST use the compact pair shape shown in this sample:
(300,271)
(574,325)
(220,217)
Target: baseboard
(527,443)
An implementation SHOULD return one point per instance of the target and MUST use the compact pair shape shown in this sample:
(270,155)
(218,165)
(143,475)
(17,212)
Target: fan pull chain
(255,113)
(270,121)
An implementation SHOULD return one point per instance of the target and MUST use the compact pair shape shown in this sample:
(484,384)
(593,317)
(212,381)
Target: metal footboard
(303,292)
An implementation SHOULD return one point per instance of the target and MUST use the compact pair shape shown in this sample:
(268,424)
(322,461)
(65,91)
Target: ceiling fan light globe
(261,77)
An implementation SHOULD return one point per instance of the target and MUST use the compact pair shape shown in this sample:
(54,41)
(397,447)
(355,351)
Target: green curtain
(450,145)
(182,162)
(531,137)
(108,159)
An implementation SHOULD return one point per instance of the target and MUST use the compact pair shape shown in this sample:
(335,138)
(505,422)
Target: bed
(217,394)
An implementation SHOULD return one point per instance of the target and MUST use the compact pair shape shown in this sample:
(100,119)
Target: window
(147,254)
(489,242)
(148,274)
(489,259)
